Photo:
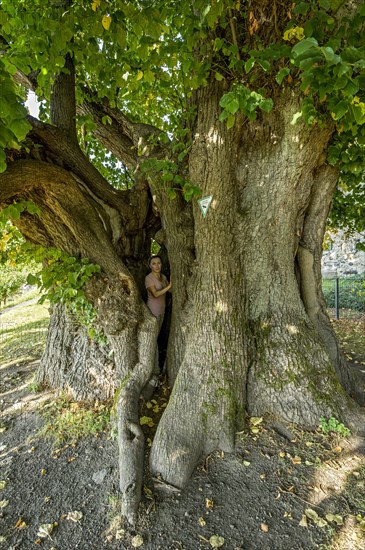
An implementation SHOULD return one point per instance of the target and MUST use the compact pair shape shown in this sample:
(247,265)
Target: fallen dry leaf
(20,524)
(303,522)
(119,534)
(137,541)
(312,514)
(321,522)
(336,518)
(255,422)
(209,503)
(202,522)
(46,529)
(216,541)
(74,516)
(148,493)
(146,420)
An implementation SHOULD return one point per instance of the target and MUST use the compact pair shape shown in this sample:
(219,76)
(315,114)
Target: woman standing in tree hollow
(157,285)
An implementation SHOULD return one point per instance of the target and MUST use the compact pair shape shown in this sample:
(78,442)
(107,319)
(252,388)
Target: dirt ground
(282,489)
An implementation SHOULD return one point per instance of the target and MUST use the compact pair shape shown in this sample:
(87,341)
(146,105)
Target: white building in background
(342,256)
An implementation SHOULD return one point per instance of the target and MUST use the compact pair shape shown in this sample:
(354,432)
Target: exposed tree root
(130,436)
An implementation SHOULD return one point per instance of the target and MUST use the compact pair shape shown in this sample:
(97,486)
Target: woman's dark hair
(152,258)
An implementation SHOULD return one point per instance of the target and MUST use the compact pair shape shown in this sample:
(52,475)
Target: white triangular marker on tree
(204,204)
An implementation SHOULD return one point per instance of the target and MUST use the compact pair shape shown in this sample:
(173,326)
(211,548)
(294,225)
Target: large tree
(256,106)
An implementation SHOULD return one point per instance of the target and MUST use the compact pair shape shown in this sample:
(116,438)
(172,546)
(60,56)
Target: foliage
(348,208)
(67,420)
(13,124)
(111,168)
(62,280)
(148,58)
(168,173)
(351,292)
(332,425)
(12,244)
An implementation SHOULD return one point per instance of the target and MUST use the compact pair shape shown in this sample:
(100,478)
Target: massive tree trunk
(252,340)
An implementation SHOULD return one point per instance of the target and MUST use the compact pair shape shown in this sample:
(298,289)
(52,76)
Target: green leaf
(32,208)
(358,112)
(149,76)
(264,64)
(172,194)
(266,105)
(331,57)
(343,68)
(304,46)
(20,128)
(340,110)
(325,4)
(233,105)
(32,279)
(282,74)
(249,64)
(351,88)
(231,119)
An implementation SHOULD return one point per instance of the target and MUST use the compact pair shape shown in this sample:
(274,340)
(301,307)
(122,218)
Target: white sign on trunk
(204,204)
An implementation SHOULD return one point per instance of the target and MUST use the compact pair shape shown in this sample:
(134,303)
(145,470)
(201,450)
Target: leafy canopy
(148,57)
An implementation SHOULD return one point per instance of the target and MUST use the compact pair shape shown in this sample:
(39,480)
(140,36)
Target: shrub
(351,292)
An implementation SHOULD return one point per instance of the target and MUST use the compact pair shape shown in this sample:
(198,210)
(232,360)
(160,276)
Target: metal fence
(344,295)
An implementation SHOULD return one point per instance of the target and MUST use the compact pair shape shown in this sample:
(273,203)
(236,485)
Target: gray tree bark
(250,344)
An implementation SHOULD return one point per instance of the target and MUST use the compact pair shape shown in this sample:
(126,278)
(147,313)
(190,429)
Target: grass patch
(67,420)
(23,332)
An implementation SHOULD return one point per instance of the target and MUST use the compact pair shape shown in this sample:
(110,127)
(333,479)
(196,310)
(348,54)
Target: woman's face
(156,265)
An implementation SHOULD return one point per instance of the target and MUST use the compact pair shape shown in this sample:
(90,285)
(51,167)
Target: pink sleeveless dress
(156,305)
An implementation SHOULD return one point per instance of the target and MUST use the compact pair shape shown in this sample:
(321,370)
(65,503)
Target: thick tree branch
(68,154)
(309,260)
(63,100)
(124,138)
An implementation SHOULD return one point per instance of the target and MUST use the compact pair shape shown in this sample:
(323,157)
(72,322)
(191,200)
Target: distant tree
(258,105)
